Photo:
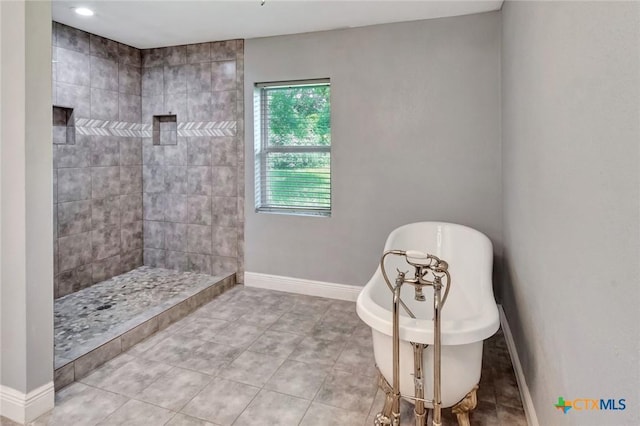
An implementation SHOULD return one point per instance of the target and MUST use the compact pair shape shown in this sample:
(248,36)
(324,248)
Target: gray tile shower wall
(192,188)
(121,201)
(98,196)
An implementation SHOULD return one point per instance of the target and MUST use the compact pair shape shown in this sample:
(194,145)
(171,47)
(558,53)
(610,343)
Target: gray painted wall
(415,136)
(571,132)
(26,288)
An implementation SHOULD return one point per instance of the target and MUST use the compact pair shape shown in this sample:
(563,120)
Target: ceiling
(145,24)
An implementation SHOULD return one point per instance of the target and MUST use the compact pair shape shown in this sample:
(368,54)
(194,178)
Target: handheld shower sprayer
(417,257)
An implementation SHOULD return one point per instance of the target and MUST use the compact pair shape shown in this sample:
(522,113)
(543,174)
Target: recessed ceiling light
(83,11)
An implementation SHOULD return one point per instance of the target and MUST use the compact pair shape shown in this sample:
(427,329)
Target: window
(293,147)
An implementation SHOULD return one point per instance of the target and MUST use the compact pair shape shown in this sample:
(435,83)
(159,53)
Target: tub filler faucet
(428,271)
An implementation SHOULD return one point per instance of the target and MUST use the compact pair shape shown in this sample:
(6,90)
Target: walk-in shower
(147,196)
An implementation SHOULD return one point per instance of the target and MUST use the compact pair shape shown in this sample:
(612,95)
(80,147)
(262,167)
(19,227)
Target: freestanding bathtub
(469,315)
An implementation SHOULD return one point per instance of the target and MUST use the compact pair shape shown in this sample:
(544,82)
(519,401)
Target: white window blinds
(293,147)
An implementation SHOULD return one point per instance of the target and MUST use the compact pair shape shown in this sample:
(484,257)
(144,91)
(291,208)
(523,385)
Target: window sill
(293,212)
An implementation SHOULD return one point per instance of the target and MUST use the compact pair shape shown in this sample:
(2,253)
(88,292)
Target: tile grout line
(113,393)
(245,408)
(129,398)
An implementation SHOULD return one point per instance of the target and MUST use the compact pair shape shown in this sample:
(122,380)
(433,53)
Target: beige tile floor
(257,357)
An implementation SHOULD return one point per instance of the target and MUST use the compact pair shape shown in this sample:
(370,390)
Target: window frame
(262,149)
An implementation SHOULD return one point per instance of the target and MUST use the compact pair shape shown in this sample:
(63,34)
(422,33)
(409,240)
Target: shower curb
(85,364)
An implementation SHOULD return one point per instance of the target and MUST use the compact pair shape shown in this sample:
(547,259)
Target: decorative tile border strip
(86,126)
(207,128)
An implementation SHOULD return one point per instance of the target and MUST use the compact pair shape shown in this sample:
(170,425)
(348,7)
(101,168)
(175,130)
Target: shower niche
(64,131)
(165,130)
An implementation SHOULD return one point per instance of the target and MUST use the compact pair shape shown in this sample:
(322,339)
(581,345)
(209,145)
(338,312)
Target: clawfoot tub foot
(464,407)
(386,417)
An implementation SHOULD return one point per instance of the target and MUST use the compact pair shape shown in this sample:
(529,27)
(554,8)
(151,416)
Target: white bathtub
(469,315)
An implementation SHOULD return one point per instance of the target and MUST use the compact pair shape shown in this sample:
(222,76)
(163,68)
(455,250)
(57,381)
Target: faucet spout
(419,295)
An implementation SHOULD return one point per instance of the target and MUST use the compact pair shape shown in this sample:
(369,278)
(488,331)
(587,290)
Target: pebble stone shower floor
(92,316)
(259,357)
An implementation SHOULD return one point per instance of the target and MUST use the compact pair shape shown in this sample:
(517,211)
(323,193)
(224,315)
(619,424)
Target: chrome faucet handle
(441,266)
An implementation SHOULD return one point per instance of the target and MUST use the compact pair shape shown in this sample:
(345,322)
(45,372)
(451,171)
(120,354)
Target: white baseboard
(302,286)
(23,408)
(525,395)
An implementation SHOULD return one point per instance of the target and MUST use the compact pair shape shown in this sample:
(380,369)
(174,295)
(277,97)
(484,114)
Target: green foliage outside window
(299,116)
